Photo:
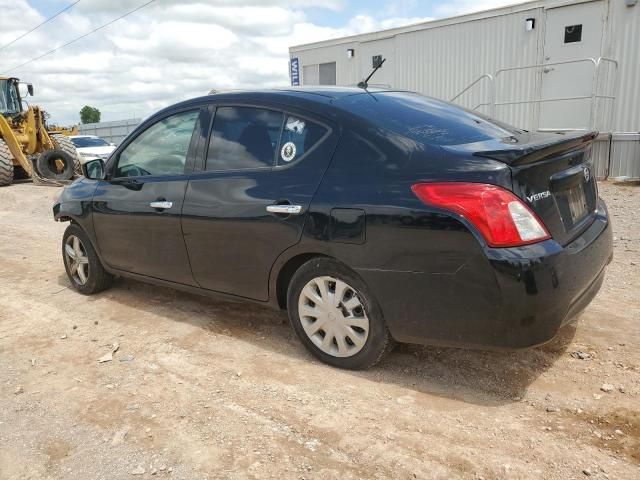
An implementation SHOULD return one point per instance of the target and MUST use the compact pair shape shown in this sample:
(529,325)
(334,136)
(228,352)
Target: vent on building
(573,34)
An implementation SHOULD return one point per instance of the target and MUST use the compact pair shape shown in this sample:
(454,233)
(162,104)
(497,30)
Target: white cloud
(169,51)
(459,7)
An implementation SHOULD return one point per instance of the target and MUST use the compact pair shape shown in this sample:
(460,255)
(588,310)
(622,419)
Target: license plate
(577,203)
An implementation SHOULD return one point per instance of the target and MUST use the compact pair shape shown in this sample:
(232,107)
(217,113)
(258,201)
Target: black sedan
(371,216)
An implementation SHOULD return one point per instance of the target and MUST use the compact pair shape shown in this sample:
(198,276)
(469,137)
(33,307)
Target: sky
(177,49)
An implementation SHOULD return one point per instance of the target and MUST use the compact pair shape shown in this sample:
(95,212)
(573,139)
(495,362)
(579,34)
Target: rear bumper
(503,298)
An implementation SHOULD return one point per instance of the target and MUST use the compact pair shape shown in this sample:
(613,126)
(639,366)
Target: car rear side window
(298,137)
(243,138)
(161,149)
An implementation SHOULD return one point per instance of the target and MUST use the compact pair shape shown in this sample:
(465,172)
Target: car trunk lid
(552,174)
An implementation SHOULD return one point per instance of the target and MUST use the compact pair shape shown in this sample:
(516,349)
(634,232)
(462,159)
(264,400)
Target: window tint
(243,137)
(298,137)
(159,150)
(425,119)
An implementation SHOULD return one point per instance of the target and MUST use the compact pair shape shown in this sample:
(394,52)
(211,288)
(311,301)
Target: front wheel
(335,316)
(86,273)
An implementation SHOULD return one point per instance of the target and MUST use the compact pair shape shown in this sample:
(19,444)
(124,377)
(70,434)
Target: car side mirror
(94,169)
(30,88)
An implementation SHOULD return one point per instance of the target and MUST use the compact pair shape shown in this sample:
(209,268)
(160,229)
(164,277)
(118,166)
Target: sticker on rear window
(295,125)
(288,151)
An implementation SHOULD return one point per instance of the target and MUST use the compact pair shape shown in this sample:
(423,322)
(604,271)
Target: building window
(319,74)
(573,34)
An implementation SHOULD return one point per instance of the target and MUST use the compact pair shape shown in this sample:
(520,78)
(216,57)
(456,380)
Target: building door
(572,32)
(319,74)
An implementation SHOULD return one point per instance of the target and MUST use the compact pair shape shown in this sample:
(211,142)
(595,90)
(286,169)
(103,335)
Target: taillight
(501,217)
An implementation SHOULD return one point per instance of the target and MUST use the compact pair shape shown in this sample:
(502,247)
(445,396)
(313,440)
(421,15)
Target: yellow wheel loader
(27,149)
(63,130)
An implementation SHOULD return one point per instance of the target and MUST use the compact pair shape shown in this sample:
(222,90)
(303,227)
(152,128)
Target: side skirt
(190,289)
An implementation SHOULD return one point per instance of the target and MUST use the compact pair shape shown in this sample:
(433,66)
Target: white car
(90,147)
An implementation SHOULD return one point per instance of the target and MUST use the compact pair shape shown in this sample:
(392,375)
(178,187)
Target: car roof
(83,136)
(320,99)
(320,93)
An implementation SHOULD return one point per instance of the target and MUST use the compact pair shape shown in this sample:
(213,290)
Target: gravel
(225,390)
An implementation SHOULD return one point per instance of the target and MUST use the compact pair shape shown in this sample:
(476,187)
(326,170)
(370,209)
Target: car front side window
(159,150)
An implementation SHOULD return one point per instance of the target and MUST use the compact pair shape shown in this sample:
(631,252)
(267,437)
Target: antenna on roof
(365,83)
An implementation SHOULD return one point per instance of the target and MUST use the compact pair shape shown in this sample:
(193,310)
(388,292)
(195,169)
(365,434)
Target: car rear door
(136,211)
(261,167)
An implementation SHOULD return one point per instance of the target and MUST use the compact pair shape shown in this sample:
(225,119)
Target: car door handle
(286,209)
(163,204)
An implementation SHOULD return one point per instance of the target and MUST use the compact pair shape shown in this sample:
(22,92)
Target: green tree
(89,114)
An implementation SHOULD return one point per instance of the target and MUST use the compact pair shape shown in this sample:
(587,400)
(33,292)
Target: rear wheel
(67,146)
(84,269)
(6,165)
(335,315)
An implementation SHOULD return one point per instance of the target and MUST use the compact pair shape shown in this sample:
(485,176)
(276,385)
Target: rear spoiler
(538,147)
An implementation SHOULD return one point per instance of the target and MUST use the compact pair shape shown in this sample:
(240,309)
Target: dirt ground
(201,389)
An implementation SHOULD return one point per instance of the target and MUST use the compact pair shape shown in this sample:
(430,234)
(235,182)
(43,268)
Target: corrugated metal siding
(600,157)
(442,58)
(622,43)
(442,61)
(625,47)
(625,156)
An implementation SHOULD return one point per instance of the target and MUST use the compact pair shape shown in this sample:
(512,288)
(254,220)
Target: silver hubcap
(77,261)
(333,316)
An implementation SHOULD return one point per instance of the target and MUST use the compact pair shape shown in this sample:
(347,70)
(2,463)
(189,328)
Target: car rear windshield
(83,142)
(425,119)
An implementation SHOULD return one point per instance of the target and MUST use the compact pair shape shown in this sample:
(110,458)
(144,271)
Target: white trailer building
(548,65)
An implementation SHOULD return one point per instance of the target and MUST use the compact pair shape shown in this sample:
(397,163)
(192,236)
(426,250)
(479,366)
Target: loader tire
(6,165)
(67,146)
(47,168)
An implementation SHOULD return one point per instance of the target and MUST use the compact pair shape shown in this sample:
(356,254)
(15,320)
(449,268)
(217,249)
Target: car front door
(260,171)
(136,210)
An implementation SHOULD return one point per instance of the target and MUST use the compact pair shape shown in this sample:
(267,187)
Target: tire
(349,346)
(47,167)
(6,165)
(67,146)
(96,278)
